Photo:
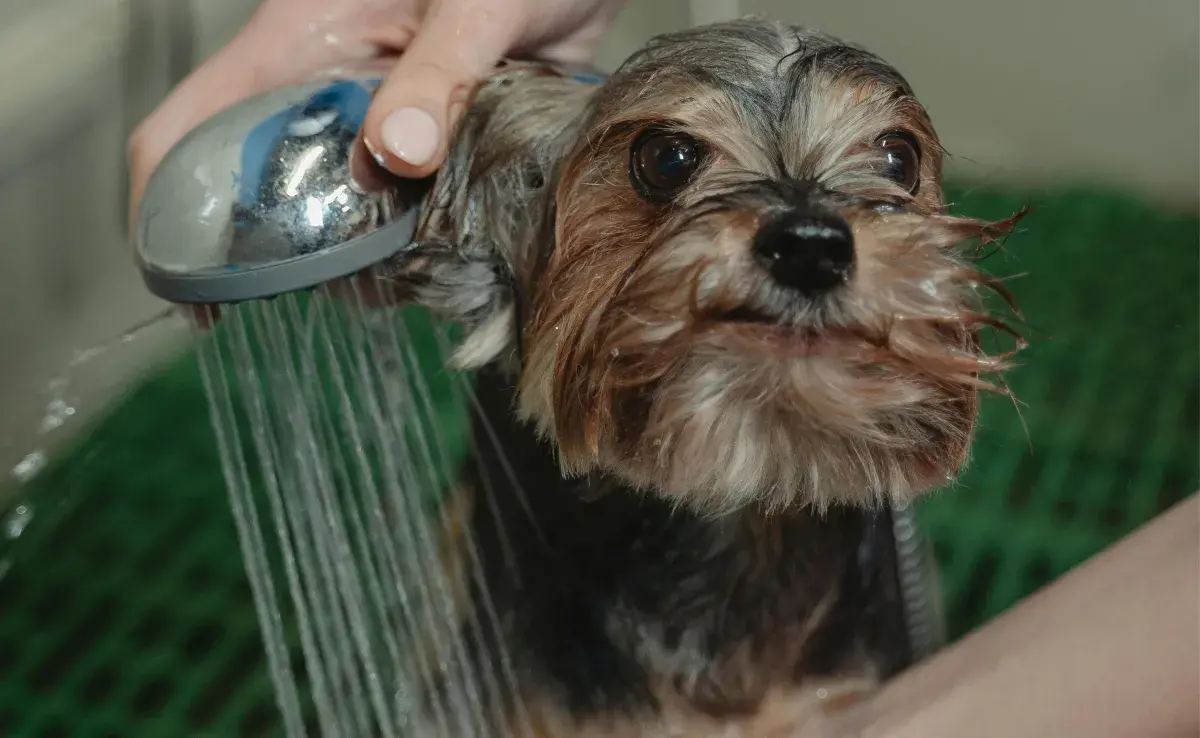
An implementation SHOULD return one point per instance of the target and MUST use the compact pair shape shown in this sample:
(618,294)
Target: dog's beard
(668,359)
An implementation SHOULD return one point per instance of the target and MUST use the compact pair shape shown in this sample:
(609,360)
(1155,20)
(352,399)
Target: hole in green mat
(54,730)
(201,639)
(165,549)
(1112,517)
(1177,483)
(1024,480)
(1038,573)
(200,577)
(259,719)
(50,606)
(983,574)
(101,553)
(151,697)
(299,666)
(75,645)
(1066,510)
(943,552)
(99,686)
(1191,408)
(239,667)
(151,628)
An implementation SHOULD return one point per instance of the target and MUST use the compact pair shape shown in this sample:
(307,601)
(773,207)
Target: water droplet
(17,521)
(57,413)
(28,467)
(615,352)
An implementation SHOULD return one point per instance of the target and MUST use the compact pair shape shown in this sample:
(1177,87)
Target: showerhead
(276,194)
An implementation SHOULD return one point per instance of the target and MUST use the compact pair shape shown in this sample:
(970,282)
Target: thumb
(418,105)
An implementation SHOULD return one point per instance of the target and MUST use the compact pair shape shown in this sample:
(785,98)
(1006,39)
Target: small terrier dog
(720,321)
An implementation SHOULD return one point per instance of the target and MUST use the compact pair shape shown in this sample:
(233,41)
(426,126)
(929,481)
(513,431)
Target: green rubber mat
(1106,433)
(124,609)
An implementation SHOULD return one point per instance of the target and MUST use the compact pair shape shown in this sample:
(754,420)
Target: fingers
(418,105)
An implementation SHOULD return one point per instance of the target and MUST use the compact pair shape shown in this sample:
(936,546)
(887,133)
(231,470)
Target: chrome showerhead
(276,194)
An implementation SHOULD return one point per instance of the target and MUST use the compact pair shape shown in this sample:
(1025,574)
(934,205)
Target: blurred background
(1087,110)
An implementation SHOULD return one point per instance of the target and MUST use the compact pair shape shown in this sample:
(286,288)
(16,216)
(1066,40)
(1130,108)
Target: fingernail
(411,134)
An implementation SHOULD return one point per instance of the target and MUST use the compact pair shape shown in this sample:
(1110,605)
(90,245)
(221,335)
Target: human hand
(446,45)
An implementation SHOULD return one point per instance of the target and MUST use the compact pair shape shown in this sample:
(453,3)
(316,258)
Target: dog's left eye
(663,162)
(901,161)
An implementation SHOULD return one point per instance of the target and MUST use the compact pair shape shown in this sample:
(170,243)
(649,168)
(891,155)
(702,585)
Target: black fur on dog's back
(578,571)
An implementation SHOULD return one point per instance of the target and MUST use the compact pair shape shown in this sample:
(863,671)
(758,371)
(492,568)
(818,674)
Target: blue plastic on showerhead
(262,199)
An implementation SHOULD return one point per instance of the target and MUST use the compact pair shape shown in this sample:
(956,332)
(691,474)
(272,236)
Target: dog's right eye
(663,162)
(901,160)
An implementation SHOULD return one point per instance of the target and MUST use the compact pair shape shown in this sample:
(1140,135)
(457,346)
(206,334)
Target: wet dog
(721,322)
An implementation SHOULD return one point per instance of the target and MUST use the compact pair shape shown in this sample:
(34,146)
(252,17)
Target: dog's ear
(489,216)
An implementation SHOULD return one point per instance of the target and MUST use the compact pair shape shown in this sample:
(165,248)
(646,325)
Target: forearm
(1110,651)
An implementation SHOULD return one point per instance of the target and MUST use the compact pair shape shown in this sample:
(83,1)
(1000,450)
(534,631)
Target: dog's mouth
(747,315)
(758,332)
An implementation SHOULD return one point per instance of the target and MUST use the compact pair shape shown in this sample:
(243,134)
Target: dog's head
(724,275)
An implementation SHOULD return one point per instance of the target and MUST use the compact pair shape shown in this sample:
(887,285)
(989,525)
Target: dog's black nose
(807,253)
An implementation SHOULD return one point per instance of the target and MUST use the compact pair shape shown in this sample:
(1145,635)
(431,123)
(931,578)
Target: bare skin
(1110,651)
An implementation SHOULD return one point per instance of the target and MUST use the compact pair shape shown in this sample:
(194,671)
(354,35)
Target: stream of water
(338,435)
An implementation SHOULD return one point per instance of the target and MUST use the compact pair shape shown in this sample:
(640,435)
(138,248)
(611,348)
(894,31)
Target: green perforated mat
(124,610)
